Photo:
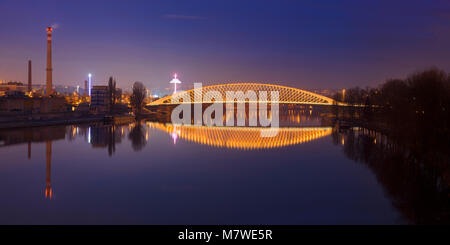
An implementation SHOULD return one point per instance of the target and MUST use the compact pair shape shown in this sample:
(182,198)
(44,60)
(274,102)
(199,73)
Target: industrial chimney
(49,87)
(85,88)
(29,76)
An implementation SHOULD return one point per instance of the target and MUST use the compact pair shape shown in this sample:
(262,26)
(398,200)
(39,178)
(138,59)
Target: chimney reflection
(29,150)
(48,155)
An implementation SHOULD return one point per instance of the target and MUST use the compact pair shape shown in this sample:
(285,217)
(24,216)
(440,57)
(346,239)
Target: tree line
(138,95)
(417,106)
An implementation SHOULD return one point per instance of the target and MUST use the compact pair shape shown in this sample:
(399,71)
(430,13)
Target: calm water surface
(155,173)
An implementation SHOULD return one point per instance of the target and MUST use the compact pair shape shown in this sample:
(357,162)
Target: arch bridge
(287,95)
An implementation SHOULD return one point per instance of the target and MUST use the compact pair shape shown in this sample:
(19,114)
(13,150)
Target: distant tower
(175,81)
(90,84)
(85,88)
(48,187)
(49,87)
(29,76)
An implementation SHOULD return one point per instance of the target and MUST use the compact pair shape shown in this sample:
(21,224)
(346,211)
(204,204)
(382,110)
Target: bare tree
(112,93)
(138,96)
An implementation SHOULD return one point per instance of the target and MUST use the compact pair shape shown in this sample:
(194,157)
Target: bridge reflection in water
(414,179)
(241,137)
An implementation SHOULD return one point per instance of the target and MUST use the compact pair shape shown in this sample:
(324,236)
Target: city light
(89,84)
(89,135)
(175,81)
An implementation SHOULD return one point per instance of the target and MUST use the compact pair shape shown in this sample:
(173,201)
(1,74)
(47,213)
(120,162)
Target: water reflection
(48,179)
(105,136)
(31,135)
(417,182)
(289,115)
(241,137)
(138,136)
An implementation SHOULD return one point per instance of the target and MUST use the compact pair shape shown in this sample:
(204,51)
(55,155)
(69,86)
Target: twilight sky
(305,44)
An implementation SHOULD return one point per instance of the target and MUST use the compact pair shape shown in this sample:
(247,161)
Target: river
(152,172)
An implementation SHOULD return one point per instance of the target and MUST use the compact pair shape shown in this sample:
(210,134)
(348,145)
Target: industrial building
(22,104)
(99,99)
(12,87)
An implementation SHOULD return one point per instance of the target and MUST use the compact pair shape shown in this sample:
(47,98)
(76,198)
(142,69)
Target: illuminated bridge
(245,138)
(287,95)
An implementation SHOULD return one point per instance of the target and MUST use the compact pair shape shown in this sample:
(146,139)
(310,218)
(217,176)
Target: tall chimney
(29,76)
(85,88)
(49,87)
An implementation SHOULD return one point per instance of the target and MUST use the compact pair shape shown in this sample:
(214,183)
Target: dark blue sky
(306,44)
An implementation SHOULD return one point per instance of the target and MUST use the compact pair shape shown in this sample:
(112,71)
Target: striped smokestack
(49,85)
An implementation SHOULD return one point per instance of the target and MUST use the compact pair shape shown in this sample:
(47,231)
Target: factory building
(12,88)
(99,99)
(23,104)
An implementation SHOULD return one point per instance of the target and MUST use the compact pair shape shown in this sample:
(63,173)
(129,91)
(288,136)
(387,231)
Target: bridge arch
(287,95)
